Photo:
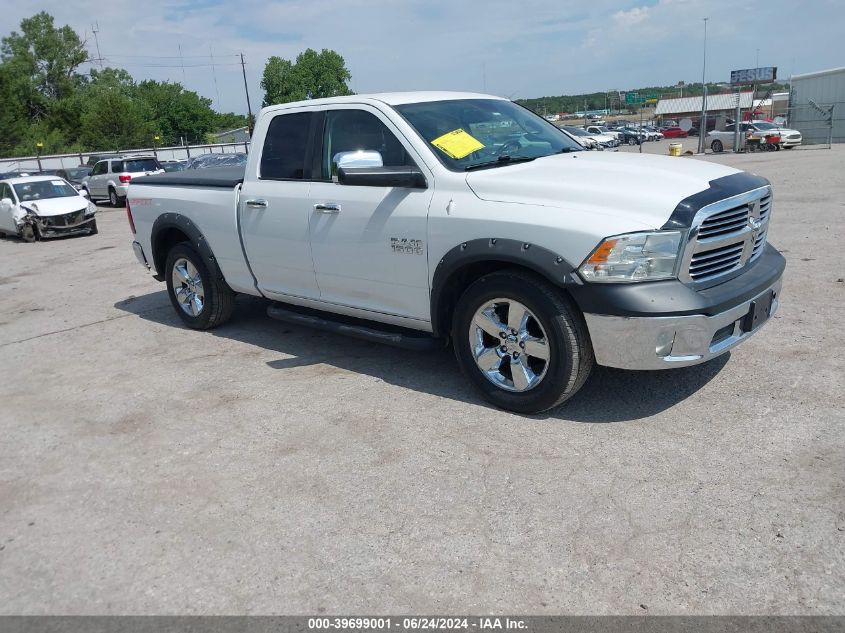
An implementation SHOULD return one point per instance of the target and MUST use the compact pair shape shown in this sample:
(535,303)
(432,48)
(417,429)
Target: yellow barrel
(675,149)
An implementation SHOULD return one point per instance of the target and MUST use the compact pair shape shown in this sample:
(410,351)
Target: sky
(511,48)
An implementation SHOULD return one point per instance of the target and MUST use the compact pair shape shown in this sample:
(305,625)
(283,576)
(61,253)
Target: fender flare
(546,263)
(167,221)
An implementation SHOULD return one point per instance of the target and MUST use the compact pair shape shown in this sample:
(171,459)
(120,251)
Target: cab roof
(390,98)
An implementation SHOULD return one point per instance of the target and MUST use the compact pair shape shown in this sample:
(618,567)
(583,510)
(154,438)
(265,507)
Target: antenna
(214,74)
(182,62)
(96,29)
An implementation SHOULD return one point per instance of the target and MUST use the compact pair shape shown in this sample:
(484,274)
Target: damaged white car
(36,207)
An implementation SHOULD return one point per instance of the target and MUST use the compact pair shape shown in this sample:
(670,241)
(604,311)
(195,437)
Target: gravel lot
(265,468)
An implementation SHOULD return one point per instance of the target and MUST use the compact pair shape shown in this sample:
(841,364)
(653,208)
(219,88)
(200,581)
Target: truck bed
(224,177)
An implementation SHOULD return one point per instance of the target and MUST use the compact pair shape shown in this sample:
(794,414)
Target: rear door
(274,209)
(369,243)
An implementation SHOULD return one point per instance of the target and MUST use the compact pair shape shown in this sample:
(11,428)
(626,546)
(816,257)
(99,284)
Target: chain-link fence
(819,124)
(65,161)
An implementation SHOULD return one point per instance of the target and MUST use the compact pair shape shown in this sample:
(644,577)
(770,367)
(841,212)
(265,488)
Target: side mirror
(84,193)
(6,205)
(404,176)
(361,158)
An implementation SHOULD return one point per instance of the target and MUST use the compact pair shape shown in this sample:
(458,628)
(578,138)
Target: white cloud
(545,47)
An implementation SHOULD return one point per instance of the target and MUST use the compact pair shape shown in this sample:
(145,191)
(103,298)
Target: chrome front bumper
(667,342)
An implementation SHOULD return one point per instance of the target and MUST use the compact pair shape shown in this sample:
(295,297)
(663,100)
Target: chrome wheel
(509,345)
(187,286)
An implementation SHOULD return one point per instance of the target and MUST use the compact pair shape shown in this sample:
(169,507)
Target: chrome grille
(710,263)
(727,235)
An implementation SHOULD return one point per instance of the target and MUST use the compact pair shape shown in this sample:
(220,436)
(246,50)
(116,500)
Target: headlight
(633,257)
(92,208)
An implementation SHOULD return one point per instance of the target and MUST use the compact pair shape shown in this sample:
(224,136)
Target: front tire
(521,342)
(201,298)
(632,141)
(92,227)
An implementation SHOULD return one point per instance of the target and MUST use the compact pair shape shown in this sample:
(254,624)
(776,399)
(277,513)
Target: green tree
(44,61)
(313,76)
(176,112)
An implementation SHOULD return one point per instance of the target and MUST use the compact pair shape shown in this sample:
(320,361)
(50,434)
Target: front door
(369,243)
(274,210)
(96,182)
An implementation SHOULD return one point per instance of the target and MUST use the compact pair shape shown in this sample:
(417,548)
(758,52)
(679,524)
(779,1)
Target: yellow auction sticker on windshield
(458,143)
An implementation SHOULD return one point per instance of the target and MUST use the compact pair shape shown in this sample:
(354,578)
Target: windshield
(765,126)
(44,189)
(469,133)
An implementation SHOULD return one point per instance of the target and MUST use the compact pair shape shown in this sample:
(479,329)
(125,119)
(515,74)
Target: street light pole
(702,124)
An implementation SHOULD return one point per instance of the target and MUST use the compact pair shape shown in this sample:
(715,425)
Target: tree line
(612,99)
(50,105)
(47,99)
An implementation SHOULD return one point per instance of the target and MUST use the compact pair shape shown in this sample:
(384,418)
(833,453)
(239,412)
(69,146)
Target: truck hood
(644,188)
(56,206)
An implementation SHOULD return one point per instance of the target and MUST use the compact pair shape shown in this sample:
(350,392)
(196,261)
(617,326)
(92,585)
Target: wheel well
(164,241)
(461,279)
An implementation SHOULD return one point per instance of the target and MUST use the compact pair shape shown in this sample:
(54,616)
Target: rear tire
(553,327)
(201,298)
(114,199)
(717,146)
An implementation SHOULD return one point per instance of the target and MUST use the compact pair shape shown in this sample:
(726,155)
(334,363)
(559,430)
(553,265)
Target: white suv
(111,176)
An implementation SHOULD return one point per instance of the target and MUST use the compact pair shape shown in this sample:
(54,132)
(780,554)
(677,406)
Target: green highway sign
(635,97)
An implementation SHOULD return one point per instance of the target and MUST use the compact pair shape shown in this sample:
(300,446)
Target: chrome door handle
(327,207)
(256,204)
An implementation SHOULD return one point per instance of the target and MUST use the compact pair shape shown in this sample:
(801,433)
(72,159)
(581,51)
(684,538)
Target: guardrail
(63,161)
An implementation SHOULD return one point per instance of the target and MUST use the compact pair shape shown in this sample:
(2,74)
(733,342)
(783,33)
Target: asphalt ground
(266,468)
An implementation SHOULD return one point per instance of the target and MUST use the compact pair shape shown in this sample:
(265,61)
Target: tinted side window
(5,191)
(353,130)
(99,168)
(285,147)
(117,166)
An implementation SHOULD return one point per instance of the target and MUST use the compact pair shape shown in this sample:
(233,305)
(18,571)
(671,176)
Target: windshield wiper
(501,160)
(566,150)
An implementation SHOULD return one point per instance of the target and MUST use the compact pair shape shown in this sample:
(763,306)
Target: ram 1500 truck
(421,218)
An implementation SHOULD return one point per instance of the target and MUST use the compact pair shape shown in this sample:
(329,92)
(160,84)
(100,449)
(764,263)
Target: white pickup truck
(421,218)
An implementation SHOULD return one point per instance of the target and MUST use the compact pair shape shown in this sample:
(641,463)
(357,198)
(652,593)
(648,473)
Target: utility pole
(96,29)
(702,125)
(248,106)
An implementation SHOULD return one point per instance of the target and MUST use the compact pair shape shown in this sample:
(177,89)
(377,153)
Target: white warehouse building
(825,89)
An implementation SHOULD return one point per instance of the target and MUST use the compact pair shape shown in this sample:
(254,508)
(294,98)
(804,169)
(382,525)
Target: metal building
(817,106)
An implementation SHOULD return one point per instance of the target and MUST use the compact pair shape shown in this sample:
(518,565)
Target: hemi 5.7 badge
(404,246)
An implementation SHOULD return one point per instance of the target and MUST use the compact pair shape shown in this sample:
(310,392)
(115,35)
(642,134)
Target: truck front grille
(726,236)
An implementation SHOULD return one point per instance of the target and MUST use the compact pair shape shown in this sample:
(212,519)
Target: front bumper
(76,223)
(629,338)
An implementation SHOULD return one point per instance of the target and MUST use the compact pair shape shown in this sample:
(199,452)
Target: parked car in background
(217,160)
(631,136)
(36,207)
(601,129)
(788,138)
(174,165)
(756,132)
(75,175)
(673,132)
(581,136)
(110,178)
